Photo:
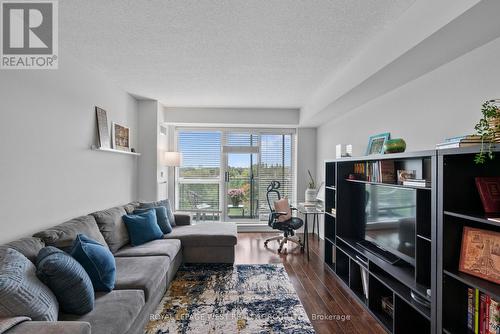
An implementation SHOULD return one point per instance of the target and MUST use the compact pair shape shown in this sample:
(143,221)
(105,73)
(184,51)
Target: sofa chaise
(143,273)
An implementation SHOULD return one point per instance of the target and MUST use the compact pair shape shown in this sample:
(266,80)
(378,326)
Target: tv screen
(390,219)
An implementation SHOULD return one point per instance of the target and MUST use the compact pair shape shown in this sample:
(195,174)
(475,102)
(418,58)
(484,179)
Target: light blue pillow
(142,227)
(97,261)
(67,279)
(161,218)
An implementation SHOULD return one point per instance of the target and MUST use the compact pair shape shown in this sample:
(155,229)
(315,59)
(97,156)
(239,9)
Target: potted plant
(310,194)
(236,195)
(488,128)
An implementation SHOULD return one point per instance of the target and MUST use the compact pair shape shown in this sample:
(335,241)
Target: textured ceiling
(258,53)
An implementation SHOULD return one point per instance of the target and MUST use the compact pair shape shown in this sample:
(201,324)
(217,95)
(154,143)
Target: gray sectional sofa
(143,273)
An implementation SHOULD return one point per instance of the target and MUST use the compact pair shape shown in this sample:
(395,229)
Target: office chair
(288,226)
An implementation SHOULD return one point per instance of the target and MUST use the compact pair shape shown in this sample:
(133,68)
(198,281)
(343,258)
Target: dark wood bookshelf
(458,206)
(351,262)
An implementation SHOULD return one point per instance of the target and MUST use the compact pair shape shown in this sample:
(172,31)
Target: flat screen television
(390,220)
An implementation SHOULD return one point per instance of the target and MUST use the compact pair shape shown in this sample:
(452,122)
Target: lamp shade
(173,159)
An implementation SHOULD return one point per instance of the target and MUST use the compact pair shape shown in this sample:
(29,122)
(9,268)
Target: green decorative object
(394,146)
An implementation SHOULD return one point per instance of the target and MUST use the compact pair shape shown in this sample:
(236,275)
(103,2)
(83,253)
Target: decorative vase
(310,195)
(394,146)
(236,201)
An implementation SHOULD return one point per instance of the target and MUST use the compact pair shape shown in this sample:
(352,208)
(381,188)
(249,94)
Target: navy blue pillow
(67,279)
(142,227)
(97,261)
(161,218)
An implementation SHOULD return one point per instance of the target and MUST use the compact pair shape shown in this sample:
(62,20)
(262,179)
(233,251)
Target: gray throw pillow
(166,204)
(112,227)
(63,235)
(21,292)
(67,279)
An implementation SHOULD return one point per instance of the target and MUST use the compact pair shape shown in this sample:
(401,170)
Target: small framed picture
(480,254)
(102,128)
(376,143)
(121,137)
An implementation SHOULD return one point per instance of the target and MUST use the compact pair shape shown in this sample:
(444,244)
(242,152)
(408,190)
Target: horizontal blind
(275,165)
(199,175)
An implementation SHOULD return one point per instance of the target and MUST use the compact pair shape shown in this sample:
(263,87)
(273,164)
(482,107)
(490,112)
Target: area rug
(230,299)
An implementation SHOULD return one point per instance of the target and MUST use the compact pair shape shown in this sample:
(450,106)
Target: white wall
(306,160)
(233,116)
(443,103)
(47,124)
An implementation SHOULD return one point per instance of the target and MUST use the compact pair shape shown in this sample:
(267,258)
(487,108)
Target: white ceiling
(238,53)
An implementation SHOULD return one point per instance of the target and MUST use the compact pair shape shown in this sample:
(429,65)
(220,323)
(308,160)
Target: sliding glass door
(225,172)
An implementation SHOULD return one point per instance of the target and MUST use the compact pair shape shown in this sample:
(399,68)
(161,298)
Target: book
(476,311)
(460,141)
(484,309)
(417,183)
(494,317)
(470,308)
(489,191)
(387,171)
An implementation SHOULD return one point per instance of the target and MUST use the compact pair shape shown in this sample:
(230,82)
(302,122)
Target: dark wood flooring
(321,293)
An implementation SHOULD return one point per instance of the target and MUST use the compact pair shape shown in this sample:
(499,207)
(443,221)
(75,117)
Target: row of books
(461,141)
(483,313)
(377,171)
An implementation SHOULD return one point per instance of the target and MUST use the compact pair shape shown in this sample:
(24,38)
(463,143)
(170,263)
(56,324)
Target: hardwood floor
(321,293)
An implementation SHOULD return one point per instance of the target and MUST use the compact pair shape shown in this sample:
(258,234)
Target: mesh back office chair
(288,227)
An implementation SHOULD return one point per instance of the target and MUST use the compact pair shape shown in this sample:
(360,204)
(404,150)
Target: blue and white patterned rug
(230,299)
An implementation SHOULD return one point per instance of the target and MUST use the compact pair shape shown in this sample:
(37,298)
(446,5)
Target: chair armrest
(282,213)
(51,327)
(182,219)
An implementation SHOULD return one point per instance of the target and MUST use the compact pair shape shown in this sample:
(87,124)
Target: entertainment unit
(379,236)
(427,243)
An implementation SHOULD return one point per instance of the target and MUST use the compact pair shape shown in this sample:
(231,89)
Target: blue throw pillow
(67,279)
(97,261)
(142,227)
(166,204)
(161,218)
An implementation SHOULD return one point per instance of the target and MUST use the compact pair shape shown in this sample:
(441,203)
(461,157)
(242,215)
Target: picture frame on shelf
(120,137)
(102,128)
(480,254)
(376,143)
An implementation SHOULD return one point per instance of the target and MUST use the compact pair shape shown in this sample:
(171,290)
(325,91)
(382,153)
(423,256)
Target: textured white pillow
(21,292)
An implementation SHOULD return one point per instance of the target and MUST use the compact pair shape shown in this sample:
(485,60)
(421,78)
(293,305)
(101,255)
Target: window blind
(199,175)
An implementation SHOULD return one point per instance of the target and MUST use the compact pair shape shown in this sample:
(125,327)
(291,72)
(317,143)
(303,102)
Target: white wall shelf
(102,149)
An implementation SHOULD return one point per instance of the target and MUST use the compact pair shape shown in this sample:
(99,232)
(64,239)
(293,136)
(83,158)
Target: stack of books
(483,313)
(461,141)
(381,171)
(422,183)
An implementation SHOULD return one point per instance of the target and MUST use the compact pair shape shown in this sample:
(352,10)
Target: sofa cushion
(21,292)
(161,218)
(206,234)
(143,273)
(98,262)
(114,312)
(112,227)
(166,204)
(29,247)
(161,247)
(67,279)
(142,227)
(63,235)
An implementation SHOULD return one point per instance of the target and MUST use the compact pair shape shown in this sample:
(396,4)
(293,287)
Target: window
(217,163)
